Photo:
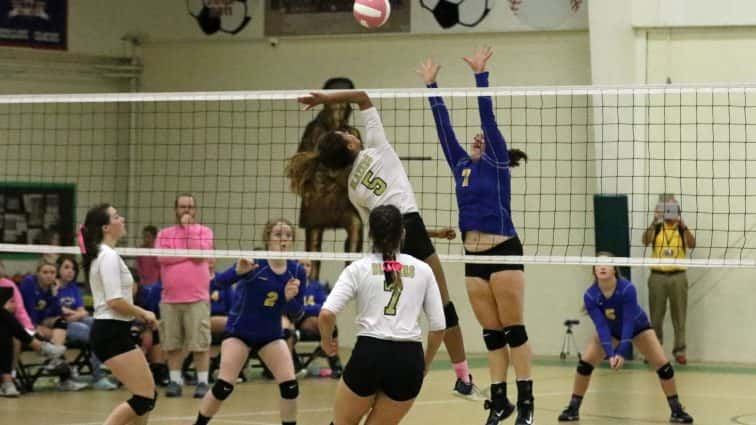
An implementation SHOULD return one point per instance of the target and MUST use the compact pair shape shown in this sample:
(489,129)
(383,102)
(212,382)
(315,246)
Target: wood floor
(714,395)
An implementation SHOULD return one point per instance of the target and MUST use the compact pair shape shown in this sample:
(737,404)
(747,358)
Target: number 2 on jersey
(396,291)
(270,299)
(466,174)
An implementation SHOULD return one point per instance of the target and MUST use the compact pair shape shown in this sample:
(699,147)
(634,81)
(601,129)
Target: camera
(671,211)
(571,322)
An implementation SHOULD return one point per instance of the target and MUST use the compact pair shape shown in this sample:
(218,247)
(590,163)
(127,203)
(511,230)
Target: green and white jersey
(384,311)
(378,177)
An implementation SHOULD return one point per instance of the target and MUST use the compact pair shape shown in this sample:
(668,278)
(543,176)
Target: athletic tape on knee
(584,368)
(666,372)
(142,405)
(516,335)
(222,389)
(289,389)
(450,313)
(60,323)
(494,339)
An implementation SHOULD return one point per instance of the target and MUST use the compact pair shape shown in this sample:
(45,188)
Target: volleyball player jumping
(496,291)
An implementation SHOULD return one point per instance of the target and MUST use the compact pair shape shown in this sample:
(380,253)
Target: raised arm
(630,311)
(496,145)
(449,143)
(602,327)
(353,96)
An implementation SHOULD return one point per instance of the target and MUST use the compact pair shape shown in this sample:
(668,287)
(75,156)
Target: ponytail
(515,155)
(91,234)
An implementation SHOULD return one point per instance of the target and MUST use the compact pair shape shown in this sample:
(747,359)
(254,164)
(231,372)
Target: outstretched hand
(478,60)
(312,100)
(428,70)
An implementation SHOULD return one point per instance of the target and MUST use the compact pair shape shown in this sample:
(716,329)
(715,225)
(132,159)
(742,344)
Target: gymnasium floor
(713,394)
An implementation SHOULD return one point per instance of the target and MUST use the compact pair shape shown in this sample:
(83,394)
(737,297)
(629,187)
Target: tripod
(568,342)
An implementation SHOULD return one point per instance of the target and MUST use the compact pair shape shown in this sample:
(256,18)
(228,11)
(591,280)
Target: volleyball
(372,13)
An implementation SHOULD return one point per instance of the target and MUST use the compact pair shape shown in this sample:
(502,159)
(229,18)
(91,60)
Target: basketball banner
(34,23)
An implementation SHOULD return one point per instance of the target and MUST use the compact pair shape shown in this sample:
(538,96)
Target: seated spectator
(41,303)
(148,267)
(79,322)
(314,297)
(10,329)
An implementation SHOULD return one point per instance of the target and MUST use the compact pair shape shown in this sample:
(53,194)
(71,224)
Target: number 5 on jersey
(376,184)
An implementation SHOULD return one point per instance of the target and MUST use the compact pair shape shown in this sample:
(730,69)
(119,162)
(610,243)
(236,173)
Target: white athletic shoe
(71,385)
(8,389)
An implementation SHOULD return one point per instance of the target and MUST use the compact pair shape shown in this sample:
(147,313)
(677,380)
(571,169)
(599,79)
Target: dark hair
(386,229)
(67,257)
(340,83)
(330,151)
(150,229)
(333,152)
(515,155)
(183,195)
(92,234)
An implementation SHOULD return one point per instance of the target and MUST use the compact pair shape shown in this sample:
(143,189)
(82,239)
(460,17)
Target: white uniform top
(381,312)
(378,177)
(109,278)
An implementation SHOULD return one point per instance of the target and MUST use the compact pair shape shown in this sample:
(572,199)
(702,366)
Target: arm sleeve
(375,135)
(605,336)
(162,241)
(496,145)
(432,304)
(343,291)
(21,315)
(449,143)
(228,277)
(110,271)
(199,237)
(629,313)
(27,293)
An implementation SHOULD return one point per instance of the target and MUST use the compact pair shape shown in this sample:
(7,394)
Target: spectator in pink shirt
(148,267)
(20,310)
(185,304)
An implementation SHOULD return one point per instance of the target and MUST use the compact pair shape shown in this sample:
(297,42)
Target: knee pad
(142,405)
(666,372)
(289,389)
(451,315)
(585,368)
(494,339)
(60,323)
(335,332)
(289,333)
(222,389)
(516,335)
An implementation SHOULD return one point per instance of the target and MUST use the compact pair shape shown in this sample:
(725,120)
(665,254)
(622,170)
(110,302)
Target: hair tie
(80,236)
(392,266)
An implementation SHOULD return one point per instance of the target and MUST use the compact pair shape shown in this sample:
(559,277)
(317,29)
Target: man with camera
(670,238)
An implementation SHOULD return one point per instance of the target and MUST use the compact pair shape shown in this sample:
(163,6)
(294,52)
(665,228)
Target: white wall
(627,42)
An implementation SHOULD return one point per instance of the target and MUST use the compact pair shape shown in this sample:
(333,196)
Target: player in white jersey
(378,178)
(114,310)
(386,369)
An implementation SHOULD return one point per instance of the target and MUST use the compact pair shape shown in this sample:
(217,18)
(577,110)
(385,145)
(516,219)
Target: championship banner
(34,23)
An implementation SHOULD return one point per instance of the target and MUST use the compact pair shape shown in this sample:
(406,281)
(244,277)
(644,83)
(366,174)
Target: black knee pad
(585,368)
(666,372)
(289,389)
(287,333)
(450,313)
(142,405)
(222,389)
(516,335)
(60,323)
(494,339)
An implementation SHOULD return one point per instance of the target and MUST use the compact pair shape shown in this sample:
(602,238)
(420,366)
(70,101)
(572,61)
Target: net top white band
(383,93)
(332,256)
